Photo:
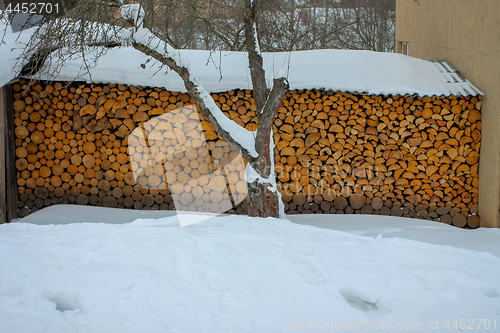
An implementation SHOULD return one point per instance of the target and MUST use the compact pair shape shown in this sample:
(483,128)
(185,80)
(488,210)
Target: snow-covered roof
(339,70)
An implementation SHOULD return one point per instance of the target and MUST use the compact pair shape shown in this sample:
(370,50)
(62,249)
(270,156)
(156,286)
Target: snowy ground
(240,274)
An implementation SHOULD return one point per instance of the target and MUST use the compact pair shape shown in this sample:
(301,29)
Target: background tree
(284,25)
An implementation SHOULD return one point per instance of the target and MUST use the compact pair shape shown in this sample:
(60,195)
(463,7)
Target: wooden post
(3,150)
(8,185)
(10,169)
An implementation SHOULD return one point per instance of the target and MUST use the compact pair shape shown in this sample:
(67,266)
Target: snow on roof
(352,71)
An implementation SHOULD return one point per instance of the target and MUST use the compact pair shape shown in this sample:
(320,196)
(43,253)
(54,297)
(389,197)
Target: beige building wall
(467,34)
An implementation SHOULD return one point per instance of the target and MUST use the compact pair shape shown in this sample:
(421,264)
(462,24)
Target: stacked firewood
(147,148)
(394,155)
(72,146)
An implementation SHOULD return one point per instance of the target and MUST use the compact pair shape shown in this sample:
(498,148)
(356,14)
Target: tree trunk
(262,195)
(261,201)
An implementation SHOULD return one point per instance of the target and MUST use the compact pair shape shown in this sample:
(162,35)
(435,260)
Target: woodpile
(72,146)
(395,155)
(335,152)
(170,151)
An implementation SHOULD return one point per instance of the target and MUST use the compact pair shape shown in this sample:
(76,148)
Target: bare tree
(257,148)
(97,23)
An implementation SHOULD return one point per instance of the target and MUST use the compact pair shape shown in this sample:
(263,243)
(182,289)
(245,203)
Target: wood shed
(403,139)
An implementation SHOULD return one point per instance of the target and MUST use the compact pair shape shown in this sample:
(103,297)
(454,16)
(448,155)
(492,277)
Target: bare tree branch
(266,120)
(194,92)
(255,60)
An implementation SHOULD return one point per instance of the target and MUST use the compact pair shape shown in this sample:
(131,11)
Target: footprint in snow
(364,302)
(64,302)
(490,291)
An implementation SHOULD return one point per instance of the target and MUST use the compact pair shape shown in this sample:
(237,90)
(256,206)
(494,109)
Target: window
(404,48)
